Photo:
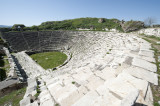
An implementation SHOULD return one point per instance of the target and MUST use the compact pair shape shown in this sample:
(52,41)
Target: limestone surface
(105,69)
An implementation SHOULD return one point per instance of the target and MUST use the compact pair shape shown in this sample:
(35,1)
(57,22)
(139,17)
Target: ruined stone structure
(106,68)
(150,31)
(101,20)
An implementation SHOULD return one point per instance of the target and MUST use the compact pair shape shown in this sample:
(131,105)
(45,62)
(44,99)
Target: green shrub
(156,104)
(73,82)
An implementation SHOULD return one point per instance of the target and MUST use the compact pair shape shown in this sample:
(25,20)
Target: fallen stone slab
(120,88)
(139,84)
(106,73)
(69,96)
(147,53)
(42,88)
(31,91)
(101,101)
(47,102)
(87,100)
(130,99)
(106,98)
(81,77)
(145,45)
(31,82)
(142,74)
(149,97)
(149,59)
(125,83)
(65,92)
(94,82)
(144,64)
(25,101)
(54,88)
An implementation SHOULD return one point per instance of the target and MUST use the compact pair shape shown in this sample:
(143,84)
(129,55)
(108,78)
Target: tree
(27,28)
(18,27)
(149,21)
(34,27)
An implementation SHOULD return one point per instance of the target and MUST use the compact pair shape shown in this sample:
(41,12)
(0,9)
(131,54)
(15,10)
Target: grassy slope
(81,23)
(156,48)
(13,98)
(49,59)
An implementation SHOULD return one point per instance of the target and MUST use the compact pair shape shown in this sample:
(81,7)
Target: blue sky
(34,12)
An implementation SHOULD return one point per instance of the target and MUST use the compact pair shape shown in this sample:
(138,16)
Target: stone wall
(38,41)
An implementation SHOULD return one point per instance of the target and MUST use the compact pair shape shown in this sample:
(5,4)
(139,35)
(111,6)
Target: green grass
(156,104)
(154,37)
(151,36)
(108,53)
(57,104)
(6,65)
(14,97)
(110,49)
(49,59)
(38,91)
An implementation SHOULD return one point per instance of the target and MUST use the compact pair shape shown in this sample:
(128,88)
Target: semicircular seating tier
(106,68)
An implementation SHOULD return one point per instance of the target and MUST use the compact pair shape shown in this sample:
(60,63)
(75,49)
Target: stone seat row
(113,69)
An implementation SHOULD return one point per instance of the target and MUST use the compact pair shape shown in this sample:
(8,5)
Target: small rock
(158,42)
(159,102)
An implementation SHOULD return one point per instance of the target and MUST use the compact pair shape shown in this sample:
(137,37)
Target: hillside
(94,24)
(88,23)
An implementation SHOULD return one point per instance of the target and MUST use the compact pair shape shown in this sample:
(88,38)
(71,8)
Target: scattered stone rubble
(106,69)
(150,31)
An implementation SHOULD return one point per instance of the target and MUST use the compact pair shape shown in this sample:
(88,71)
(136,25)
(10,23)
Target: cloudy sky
(34,12)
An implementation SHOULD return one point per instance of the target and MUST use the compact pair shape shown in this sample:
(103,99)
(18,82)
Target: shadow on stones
(2,74)
(139,104)
(1,60)
(23,73)
(1,63)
